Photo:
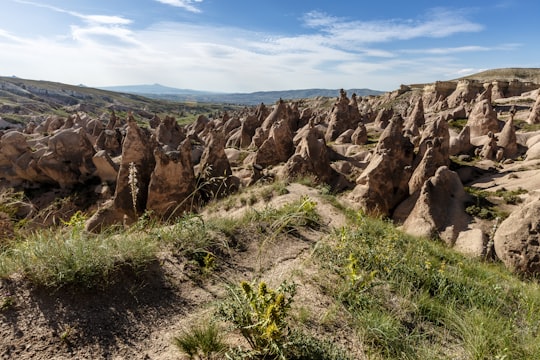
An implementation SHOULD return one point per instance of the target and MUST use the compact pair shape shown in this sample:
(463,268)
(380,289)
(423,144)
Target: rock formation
(416,119)
(214,171)
(171,191)
(135,171)
(360,135)
(429,217)
(383,118)
(312,158)
(278,147)
(508,141)
(461,144)
(376,192)
(517,239)
(344,116)
(483,119)
(534,116)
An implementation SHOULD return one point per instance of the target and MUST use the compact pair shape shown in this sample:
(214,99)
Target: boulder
(471,242)
(68,160)
(517,239)
(430,218)
(533,152)
(345,137)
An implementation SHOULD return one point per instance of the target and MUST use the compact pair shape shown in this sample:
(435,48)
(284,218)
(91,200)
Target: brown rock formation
(171,191)
(440,208)
(534,116)
(312,158)
(169,133)
(277,148)
(416,118)
(383,118)
(137,165)
(68,160)
(483,119)
(360,136)
(490,148)
(461,144)
(344,116)
(437,92)
(517,239)
(377,192)
(508,141)
(106,169)
(436,135)
(466,91)
(214,173)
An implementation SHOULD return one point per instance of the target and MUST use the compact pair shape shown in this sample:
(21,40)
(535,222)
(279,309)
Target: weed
(260,314)
(203,341)
(7,302)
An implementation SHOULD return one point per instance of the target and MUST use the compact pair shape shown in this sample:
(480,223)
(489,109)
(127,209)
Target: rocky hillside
(507,74)
(456,165)
(24,100)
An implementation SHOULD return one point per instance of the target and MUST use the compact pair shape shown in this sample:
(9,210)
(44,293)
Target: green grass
(201,341)
(413,298)
(66,257)
(458,124)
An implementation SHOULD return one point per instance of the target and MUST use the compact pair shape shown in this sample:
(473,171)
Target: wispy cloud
(460,49)
(102,26)
(185,4)
(93,19)
(437,23)
(330,52)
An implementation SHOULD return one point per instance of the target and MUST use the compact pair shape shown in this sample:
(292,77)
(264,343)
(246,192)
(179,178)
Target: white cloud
(333,53)
(340,32)
(185,4)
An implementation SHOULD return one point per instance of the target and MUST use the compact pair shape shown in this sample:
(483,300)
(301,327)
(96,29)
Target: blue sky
(244,46)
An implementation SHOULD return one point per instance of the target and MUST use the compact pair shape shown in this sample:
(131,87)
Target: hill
(507,74)
(157,91)
(22,100)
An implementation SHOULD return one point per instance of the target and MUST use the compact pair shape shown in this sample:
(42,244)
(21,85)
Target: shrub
(260,313)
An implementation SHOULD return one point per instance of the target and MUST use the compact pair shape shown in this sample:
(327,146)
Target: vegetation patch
(69,256)
(412,298)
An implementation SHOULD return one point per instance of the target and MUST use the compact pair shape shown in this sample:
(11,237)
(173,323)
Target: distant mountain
(154,89)
(507,74)
(157,91)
